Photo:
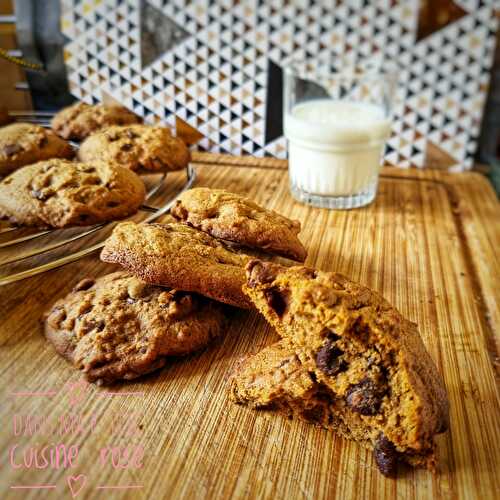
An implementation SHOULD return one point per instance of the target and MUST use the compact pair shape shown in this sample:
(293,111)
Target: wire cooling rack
(38,251)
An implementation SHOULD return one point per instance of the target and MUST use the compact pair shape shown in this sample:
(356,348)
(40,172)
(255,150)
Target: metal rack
(14,237)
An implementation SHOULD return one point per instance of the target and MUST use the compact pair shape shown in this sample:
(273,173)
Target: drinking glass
(336,124)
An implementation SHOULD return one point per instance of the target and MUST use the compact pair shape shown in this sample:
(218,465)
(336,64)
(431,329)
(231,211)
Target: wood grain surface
(429,244)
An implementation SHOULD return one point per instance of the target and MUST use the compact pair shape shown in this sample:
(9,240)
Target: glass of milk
(337,124)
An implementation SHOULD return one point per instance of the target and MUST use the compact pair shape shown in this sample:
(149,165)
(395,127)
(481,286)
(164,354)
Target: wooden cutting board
(429,244)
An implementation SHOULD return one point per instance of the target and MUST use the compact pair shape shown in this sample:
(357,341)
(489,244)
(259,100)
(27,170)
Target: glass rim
(352,72)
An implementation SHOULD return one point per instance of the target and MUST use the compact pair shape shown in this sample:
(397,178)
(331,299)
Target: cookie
(25,143)
(275,379)
(235,218)
(136,147)
(118,328)
(61,193)
(178,256)
(367,361)
(78,121)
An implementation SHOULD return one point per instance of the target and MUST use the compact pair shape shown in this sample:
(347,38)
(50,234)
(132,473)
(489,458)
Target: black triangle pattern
(382,33)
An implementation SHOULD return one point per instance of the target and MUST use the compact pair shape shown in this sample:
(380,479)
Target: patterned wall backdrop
(213,68)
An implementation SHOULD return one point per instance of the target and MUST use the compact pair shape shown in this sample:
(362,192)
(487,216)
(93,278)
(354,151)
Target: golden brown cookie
(377,383)
(136,147)
(235,218)
(178,256)
(118,328)
(61,193)
(25,143)
(78,121)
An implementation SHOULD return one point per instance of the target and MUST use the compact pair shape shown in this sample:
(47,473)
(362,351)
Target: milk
(335,147)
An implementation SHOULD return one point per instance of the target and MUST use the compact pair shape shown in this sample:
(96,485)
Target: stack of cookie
(169,302)
(113,134)
(347,360)
(43,188)
(205,250)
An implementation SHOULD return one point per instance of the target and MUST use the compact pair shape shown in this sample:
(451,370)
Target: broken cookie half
(347,361)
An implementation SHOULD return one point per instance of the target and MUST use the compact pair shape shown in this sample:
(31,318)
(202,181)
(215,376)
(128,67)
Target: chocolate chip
(58,315)
(43,142)
(277,300)
(365,397)
(179,212)
(126,147)
(112,204)
(386,456)
(84,284)
(259,273)
(442,426)
(332,336)
(324,394)
(12,149)
(327,359)
(92,180)
(314,415)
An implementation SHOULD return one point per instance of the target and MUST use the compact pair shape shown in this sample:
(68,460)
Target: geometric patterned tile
(207,69)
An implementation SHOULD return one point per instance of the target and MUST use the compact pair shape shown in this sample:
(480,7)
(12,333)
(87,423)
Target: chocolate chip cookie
(371,378)
(136,147)
(178,256)
(78,121)
(275,379)
(118,328)
(25,143)
(61,193)
(235,218)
